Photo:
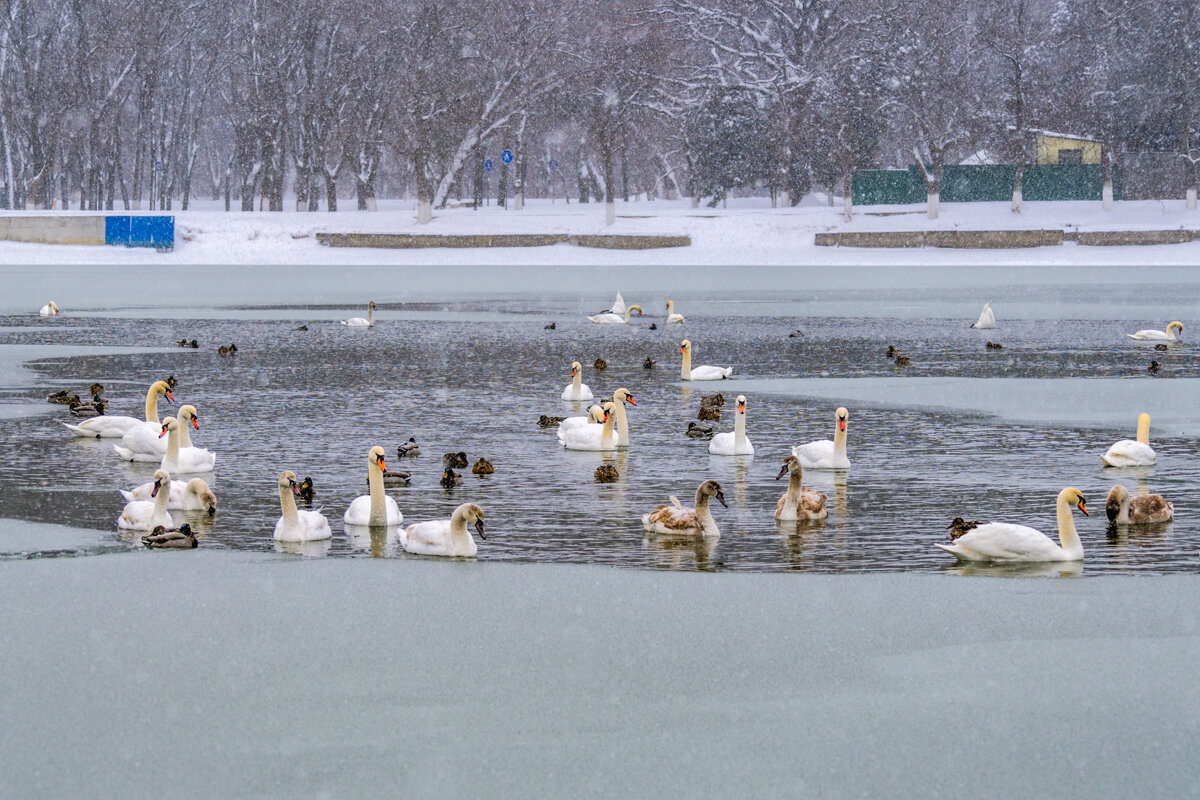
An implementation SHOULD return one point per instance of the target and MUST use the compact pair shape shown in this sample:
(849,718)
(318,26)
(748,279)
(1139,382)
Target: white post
(933,205)
(1108,196)
(610,212)
(1191,198)
(424,212)
(1018,201)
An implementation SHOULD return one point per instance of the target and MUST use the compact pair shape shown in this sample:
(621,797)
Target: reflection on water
(1047,569)
(477,377)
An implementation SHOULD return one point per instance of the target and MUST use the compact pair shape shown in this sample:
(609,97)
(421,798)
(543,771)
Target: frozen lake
(963,431)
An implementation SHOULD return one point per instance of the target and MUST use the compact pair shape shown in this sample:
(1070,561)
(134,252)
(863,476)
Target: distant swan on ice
(987,320)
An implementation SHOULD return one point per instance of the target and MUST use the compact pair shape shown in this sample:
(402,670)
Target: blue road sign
(506,156)
(553,165)
(158,166)
(487,165)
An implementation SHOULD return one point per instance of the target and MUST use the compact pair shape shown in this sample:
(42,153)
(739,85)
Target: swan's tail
(127,495)
(675,502)
(78,431)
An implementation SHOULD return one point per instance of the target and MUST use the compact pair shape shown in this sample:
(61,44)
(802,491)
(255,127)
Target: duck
(1154,368)
(49,310)
(547,421)
(576,389)
(1007,542)
(606,473)
(96,390)
(958,526)
(482,467)
(193,495)
(227,351)
(115,427)
(293,524)
(709,413)
(144,515)
(94,408)
(613,318)
(703,373)
(736,443)
(678,520)
(891,351)
(445,537)
(408,449)
(798,503)
(63,397)
(987,320)
(306,491)
(186,343)
(1141,510)
(653,326)
(359,322)
(994,346)
(648,363)
(1162,346)
(1159,336)
(161,538)
(902,361)
(302,328)
(825,454)
(796,334)
(697,431)
(458,460)
(374,508)
(1133,452)
(600,363)
(672,317)
(185,459)
(593,436)
(552,326)
(396,477)
(715,399)
(450,478)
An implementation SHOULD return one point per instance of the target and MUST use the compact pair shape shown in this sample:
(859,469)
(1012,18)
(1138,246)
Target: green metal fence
(982,183)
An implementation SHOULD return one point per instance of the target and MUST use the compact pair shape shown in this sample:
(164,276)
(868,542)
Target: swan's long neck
(739,429)
(185,437)
(173,447)
(686,374)
(378,515)
(628,313)
(1143,434)
(288,503)
(370,316)
(839,441)
(622,425)
(1067,536)
(1123,514)
(459,534)
(160,500)
(795,487)
(670,308)
(606,433)
(576,382)
(152,404)
(703,514)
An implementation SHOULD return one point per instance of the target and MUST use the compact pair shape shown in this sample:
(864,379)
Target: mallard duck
(606,473)
(552,326)
(960,526)
(546,421)
(232,348)
(994,346)
(698,431)
(483,467)
(600,363)
(648,363)
(717,399)
(305,490)
(1161,346)
(408,449)
(95,389)
(1154,367)
(458,460)
(709,413)
(182,539)
(796,334)
(63,397)
(902,361)
(891,351)
(653,326)
(222,350)
(86,410)
(302,328)
(182,343)
(171,382)
(395,477)
(450,478)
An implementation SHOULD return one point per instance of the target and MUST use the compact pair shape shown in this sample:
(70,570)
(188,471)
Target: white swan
(359,322)
(609,318)
(1141,510)
(704,373)
(672,317)
(1004,541)
(144,515)
(679,520)
(987,319)
(295,525)
(618,306)
(595,415)
(798,503)
(1159,336)
(375,508)
(1133,452)
(736,443)
(194,495)
(49,310)
(591,437)
(825,454)
(180,459)
(146,442)
(445,537)
(114,427)
(576,389)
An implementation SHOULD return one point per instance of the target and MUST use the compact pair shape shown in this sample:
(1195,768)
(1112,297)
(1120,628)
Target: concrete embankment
(421,240)
(1001,239)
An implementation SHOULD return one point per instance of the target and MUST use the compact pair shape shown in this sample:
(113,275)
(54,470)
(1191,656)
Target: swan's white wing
(359,512)
(430,538)
(1004,541)
(722,444)
(673,519)
(105,427)
(609,319)
(711,373)
(1149,336)
(815,455)
(1130,453)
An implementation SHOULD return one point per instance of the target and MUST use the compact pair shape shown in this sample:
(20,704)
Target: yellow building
(1060,148)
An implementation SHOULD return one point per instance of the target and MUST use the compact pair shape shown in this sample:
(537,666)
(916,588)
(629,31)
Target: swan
(145,515)
(591,437)
(671,315)
(145,443)
(618,306)
(620,398)
(987,320)
(705,373)
(797,502)
(736,443)
(49,310)
(1159,336)
(1004,541)
(609,318)
(594,416)
(826,454)
(190,459)
(576,390)
(193,495)
(296,525)
(375,508)
(1133,452)
(1145,508)
(445,537)
(114,427)
(359,322)
(678,520)
(182,539)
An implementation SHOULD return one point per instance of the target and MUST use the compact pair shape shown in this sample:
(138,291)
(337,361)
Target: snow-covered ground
(749,231)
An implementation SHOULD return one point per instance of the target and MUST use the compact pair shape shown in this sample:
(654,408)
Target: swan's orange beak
(169,396)
(164,432)
(382,466)
(574,372)
(842,425)
(295,489)
(629,399)
(196,423)
(682,350)
(741,408)
(1083,509)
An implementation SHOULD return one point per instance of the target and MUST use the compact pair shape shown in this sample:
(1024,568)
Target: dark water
(475,375)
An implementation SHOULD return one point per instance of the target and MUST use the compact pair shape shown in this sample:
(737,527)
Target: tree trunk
(847,195)
(1106,194)
(610,208)
(330,191)
(424,189)
(1189,172)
